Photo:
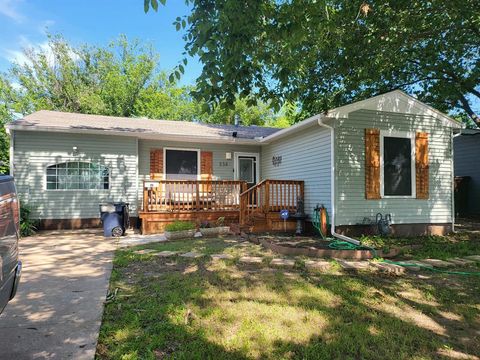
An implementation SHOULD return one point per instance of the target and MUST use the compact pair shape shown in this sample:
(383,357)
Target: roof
(58,121)
(395,101)
(470,132)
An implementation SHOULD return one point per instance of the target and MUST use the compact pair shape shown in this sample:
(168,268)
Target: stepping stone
(319,265)
(166,253)
(192,255)
(437,263)
(144,251)
(353,265)
(421,264)
(243,244)
(461,262)
(473,257)
(282,263)
(221,256)
(231,241)
(410,265)
(387,268)
(251,260)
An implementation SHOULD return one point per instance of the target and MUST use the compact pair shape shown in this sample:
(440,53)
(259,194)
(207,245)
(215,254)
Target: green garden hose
(345,245)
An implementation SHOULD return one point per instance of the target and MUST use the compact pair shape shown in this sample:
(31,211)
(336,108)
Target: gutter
(138,134)
(319,119)
(292,129)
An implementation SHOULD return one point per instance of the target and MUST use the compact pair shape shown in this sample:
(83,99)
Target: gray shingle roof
(64,121)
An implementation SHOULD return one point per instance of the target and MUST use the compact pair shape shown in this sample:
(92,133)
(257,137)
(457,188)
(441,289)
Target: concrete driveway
(58,308)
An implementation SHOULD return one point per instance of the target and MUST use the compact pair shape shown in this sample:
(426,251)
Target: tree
(122,79)
(330,52)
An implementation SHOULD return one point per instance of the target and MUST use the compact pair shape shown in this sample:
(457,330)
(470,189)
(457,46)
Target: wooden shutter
(156,164)
(206,167)
(421,165)
(372,163)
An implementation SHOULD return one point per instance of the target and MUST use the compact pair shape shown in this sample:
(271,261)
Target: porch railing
(270,196)
(192,195)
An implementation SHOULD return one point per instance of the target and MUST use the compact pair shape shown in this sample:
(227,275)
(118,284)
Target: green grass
(243,312)
(180,226)
(421,247)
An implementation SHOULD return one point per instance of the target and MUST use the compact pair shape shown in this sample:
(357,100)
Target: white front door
(247,168)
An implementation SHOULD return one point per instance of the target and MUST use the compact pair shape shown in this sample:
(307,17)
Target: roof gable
(395,101)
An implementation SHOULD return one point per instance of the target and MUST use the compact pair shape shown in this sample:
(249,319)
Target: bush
(28,226)
(180,226)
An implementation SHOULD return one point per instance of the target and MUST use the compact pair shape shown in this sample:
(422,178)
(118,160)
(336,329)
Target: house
(387,154)
(466,149)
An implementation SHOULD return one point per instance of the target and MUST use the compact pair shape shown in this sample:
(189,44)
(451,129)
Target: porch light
(228,155)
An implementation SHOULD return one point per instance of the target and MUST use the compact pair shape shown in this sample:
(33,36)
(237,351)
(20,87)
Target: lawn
(203,309)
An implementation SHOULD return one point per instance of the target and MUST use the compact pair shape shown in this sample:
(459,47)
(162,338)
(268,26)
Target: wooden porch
(258,207)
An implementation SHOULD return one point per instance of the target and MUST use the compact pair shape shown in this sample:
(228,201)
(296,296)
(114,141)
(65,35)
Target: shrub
(28,226)
(180,226)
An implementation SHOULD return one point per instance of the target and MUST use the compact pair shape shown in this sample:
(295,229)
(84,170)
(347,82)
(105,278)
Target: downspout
(11,154)
(332,184)
(453,181)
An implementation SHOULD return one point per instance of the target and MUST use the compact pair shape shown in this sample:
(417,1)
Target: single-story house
(466,150)
(387,154)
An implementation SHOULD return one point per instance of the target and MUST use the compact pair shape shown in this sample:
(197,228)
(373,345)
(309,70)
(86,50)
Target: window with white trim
(181,164)
(398,161)
(78,175)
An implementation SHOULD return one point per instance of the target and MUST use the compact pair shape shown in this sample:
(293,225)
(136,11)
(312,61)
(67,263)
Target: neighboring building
(388,154)
(466,149)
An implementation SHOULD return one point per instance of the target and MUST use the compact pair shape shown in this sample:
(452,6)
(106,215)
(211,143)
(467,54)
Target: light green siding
(34,151)
(351,204)
(305,156)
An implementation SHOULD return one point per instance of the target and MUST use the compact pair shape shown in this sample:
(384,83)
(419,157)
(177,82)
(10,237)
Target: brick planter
(176,235)
(326,253)
(212,232)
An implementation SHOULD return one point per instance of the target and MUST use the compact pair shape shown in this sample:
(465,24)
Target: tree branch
(468,109)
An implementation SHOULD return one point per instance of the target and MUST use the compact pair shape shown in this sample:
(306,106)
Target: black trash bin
(115,218)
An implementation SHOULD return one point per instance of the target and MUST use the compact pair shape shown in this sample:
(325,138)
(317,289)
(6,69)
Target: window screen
(397,166)
(77,175)
(181,164)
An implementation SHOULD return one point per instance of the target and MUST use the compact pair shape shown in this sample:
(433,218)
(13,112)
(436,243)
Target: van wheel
(117,231)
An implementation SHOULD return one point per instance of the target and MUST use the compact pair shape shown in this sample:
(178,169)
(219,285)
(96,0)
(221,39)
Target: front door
(246,168)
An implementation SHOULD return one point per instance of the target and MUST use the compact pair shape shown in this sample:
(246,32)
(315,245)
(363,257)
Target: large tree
(327,53)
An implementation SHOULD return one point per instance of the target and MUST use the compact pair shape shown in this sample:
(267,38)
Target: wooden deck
(189,200)
(165,201)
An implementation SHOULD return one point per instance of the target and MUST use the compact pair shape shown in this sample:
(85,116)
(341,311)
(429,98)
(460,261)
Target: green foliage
(28,226)
(180,226)
(328,53)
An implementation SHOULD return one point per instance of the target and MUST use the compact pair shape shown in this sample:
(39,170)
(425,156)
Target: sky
(25,23)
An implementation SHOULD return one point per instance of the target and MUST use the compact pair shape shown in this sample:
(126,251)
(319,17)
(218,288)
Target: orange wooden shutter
(156,164)
(421,165)
(206,168)
(372,164)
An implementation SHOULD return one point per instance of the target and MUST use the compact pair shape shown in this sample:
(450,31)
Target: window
(398,172)
(181,164)
(77,175)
